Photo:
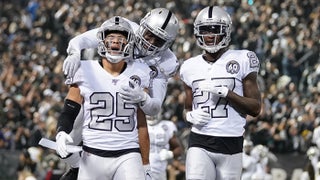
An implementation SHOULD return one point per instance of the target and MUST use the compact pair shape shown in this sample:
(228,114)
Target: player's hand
(165,154)
(134,94)
(71,64)
(212,87)
(198,117)
(147,171)
(62,138)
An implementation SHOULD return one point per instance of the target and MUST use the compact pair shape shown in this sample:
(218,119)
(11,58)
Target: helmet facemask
(157,31)
(106,47)
(212,29)
(212,37)
(145,47)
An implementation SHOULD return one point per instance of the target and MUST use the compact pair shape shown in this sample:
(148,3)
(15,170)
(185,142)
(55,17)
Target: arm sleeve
(68,115)
(158,89)
(83,41)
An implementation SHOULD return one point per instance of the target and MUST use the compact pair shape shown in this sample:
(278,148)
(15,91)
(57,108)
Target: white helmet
(212,21)
(115,24)
(163,24)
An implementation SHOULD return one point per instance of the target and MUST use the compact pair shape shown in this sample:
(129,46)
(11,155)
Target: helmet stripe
(210,11)
(117,20)
(167,20)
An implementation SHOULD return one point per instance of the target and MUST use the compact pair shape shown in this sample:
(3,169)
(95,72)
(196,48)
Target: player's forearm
(83,41)
(68,115)
(244,105)
(144,144)
(143,135)
(151,106)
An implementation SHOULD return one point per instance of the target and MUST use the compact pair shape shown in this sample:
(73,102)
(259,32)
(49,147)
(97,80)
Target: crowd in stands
(35,33)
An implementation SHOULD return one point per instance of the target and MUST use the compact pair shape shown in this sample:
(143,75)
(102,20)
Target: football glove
(165,154)
(71,64)
(213,88)
(198,117)
(134,94)
(147,172)
(62,138)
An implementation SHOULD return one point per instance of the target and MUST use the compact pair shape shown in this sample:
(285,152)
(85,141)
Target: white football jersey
(160,134)
(164,65)
(229,70)
(109,123)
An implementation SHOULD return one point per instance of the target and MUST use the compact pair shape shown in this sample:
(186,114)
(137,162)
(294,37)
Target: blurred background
(34,37)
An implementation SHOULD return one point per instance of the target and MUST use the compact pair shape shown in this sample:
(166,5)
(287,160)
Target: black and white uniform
(218,144)
(164,65)
(109,129)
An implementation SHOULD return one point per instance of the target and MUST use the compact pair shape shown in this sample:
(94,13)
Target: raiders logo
(233,67)
(153,72)
(136,79)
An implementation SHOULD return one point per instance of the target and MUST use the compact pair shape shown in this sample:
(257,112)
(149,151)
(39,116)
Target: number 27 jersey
(229,71)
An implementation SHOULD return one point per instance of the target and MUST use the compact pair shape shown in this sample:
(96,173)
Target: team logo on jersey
(153,72)
(233,67)
(136,79)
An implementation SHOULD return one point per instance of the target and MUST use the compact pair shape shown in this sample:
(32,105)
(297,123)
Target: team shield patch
(153,72)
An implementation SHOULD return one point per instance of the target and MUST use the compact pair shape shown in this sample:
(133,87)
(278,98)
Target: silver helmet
(213,21)
(119,25)
(163,24)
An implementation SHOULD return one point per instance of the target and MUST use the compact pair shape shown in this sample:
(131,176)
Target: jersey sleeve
(251,63)
(157,93)
(169,65)
(184,72)
(78,76)
(83,41)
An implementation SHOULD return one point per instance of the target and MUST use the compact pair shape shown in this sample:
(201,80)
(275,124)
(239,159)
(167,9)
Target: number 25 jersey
(109,123)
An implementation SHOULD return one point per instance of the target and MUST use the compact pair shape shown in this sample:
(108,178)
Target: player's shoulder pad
(169,64)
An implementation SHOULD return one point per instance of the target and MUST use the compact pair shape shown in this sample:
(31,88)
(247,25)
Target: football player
(221,89)
(164,145)
(114,132)
(153,37)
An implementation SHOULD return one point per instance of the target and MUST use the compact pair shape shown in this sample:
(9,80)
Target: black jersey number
(111,112)
(215,105)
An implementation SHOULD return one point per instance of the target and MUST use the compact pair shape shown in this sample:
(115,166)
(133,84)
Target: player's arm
(157,93)
(148,104)
(83,41)
(250,102)
(196,116)
(71,109)
(144,141)
(175,146)
(188,98)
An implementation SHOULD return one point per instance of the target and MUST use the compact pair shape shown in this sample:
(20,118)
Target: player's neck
(114,69)
(213,57)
